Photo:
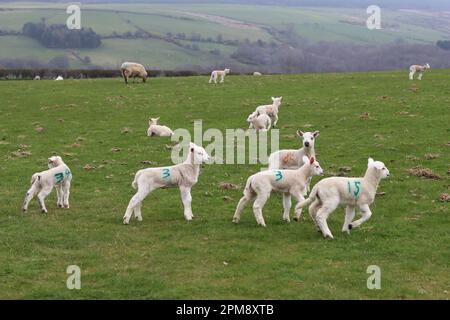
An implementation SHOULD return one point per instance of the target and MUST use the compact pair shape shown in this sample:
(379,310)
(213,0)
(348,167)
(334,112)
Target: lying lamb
(184,175)
(154,129)
(42,183)
(289,182)
(260,122)
(218,73)
(420,69)
(271,110)
(329,193)
(133,69)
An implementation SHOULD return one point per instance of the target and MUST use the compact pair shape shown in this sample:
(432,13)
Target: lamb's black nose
(306,144)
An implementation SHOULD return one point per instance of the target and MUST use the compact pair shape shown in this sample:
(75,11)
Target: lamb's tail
(134,183)
(35,177)
(311,198)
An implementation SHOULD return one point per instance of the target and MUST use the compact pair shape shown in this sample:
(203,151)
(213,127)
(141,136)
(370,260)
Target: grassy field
(316,24)
(164,256)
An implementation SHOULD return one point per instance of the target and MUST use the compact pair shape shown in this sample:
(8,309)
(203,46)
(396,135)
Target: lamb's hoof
(44,211)
(350,226)
(235,220)
(296,219)
(125,221)
(59,205)
(66,206)
(328,236)
(24,210)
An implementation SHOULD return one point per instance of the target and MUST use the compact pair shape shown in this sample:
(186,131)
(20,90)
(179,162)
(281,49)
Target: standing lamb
(271,110)
(256,73)
(289,182)
(59,78)
(332,192)
(260,122)
(42,183)
(154,129)
(416,68)
(184,176)
(37,78)
(216,73)
(133,69)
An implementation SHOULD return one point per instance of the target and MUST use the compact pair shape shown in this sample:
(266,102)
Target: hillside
(99,127)
(182,35)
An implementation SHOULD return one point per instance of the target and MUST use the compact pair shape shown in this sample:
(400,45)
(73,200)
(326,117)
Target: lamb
(37,78)
(289,182)
(59,78)
(271,109)
(155,129)
(184,175)
(59,176)
(216,73)
(293,159)
(257,73)
(133,69)
(329,193)
(417,68)
(260,122)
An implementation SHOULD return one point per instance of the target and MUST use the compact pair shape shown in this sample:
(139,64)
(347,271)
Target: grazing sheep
(216,73)
(59,176)
(332,192)
(133,69)
(271,109)
(260,122)
(289,182)
(37,78)
(257,73)
(184,175)
(59,78)
(416,68)
(155,129)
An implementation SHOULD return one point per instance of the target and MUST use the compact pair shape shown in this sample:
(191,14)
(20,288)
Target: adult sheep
(133,69)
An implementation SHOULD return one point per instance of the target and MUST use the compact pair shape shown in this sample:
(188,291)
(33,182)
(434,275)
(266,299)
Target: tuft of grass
(211,258)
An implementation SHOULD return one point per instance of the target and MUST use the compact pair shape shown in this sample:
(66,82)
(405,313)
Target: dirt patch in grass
(424,173)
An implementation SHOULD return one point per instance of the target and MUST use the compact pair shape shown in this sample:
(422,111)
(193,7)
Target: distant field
(211,258)
(232,22)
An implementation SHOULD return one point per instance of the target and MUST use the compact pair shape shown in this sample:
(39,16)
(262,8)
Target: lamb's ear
(311,160)
(316,134)
(370,161)
(273,99)
(281,98)
(299,133)
(305,159)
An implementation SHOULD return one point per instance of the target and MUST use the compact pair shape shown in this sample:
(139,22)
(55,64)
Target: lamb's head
(276,101)
(427,66)
(308,138)
(252,116)
(54,161)
(198,154)
(226,71)
(316,169)
(378,168)
(153,121)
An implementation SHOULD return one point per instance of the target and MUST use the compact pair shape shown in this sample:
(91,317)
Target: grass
(211,258)
(316,24)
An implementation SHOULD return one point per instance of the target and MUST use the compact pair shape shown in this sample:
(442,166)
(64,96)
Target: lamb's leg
(349,215)
(210,78)
(241,205)
(135,201)
(275,121)
(29,196)
(59,195)
(411,75)
(41,197)
(186,198)
(420,76)
(66,194)
(322,216)
(286,206)
(222,78)
(366,214)
(298,211)
(313,208)
(137,212)
(259,203)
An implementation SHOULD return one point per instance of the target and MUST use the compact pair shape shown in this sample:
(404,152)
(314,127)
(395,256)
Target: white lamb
(260,122)
(271,110)
(218,73)
(417,68)
(154,129)
(289,182)
(256,73)
(59,78)
(184,176)
(332,192)
(42,183)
